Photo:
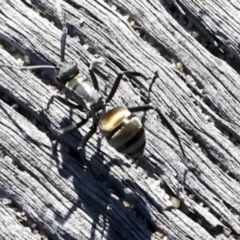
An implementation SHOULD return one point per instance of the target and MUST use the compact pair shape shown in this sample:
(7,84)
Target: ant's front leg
(62,100)
(117,81)
(94,63)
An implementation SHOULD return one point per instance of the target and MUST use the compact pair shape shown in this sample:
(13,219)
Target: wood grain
(197,58)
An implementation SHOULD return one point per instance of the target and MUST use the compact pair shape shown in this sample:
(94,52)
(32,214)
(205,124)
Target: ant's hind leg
(165,120)
(82,153)
(155,76)
(72,127)
(87,137)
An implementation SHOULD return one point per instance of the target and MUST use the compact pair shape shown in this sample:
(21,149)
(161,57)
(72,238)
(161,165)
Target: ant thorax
(83,89)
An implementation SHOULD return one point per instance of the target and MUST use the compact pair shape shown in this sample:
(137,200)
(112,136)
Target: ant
(121,128)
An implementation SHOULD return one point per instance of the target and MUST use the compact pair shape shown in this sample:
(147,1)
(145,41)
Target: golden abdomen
(123,131)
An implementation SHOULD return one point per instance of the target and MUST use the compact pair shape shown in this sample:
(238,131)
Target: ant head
(66,71)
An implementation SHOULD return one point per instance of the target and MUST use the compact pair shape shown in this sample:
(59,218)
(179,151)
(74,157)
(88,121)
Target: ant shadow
(71,157)
(107,217)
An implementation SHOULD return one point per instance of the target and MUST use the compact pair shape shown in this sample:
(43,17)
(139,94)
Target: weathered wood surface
(12,223)
(202,101)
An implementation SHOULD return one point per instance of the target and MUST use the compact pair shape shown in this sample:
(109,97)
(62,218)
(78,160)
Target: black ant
(122,129)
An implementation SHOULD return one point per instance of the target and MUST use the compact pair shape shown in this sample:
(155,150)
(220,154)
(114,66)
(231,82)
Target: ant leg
(162,116)
(94,79)
(81,149)
(84,141)
(155,76)
(117,82)
(72,127)
(92,74)
(62,17)
(72,106)
(65,130)
(63,101)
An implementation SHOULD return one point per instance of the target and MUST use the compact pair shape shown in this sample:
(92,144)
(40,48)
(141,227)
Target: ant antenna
(28,67)
(62,17)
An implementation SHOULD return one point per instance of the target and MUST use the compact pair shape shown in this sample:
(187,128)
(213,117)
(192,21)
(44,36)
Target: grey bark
(201,100)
